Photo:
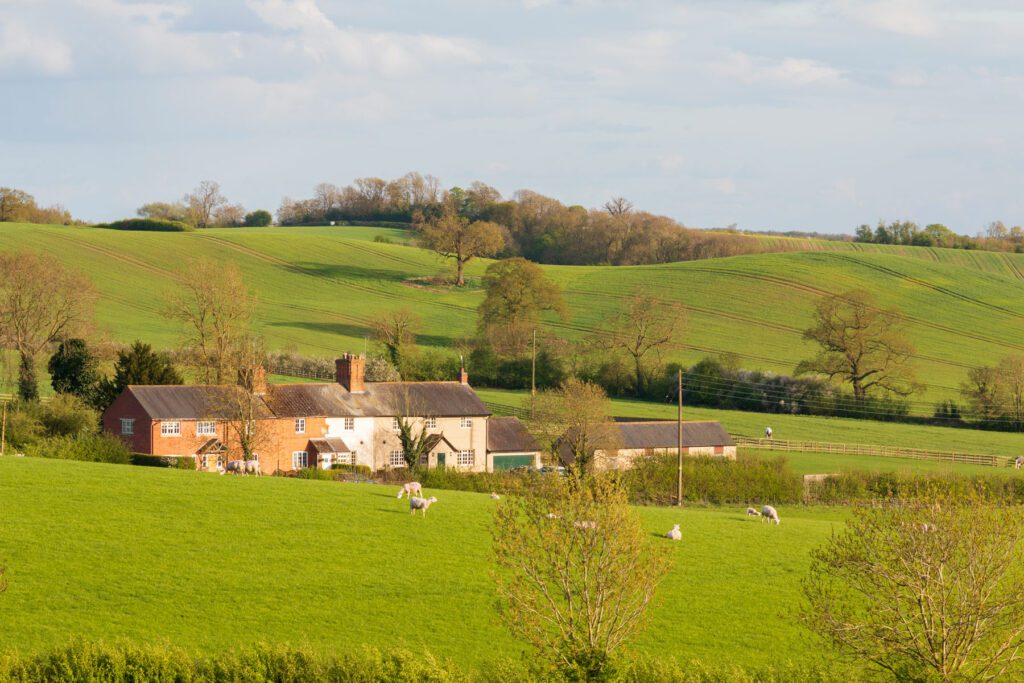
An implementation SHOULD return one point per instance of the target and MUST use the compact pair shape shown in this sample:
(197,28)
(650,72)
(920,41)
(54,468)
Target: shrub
(146,460)
(258,219)
(67,415)
(147,225)
(86,447)
(716,481)
(382,239)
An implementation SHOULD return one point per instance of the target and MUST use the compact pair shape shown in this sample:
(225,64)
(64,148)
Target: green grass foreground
(210,563)
(320,287)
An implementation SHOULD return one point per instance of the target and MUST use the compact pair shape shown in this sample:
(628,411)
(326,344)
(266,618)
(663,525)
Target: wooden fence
(880,451)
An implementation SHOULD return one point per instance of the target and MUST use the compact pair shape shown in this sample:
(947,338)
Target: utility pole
(3,430)
(533,375)
(679,490)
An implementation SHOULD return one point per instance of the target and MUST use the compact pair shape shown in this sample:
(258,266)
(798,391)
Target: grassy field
(320,287)
(208,562)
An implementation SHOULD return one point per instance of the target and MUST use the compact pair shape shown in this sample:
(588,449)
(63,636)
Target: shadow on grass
(394,512)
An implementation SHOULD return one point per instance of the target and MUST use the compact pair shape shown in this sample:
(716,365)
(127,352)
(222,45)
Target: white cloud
(788,72)
(905,17)
(22,49)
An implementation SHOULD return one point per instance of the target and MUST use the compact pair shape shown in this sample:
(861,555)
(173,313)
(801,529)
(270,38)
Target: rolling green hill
(320,287)
(211,563)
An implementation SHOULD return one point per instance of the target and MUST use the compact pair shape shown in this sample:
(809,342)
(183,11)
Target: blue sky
(773,115)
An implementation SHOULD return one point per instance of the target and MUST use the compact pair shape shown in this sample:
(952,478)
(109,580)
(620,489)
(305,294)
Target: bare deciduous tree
(397,331)
(618,206)
(861,345)
(924,588)
(575,418)
(41,302)
(240,407)
(216,309)
(203,201)
(576,572)
(645,328)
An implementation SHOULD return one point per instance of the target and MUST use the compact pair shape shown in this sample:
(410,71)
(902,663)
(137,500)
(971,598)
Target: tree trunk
(28,387)
(459,265)
(639,377)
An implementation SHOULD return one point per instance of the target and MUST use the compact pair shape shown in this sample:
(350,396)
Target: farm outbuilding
(638,439)
(510,445)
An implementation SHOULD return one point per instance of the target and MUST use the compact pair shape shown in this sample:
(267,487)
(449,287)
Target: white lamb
(1018,462)
(495,496)
(413,487)
(751,512)
(769,513)
(675,534)
(420,504)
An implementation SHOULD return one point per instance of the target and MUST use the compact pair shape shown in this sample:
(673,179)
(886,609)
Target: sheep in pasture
(751,512)
(252,467)
(416,503)
(495,496)
(411,488)
(235,467)
(675,534)
(220,469)
(1018,462)
(769,513)
(584,524)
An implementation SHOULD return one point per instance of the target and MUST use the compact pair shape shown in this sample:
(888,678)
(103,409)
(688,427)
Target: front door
(440,459)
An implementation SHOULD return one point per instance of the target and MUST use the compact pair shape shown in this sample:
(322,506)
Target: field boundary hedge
(874,450)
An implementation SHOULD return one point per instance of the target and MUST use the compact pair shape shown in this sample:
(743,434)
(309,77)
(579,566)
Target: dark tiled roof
(509,435)
(330,445)
(666,434)
(322,399)
(381,399)
(191,402)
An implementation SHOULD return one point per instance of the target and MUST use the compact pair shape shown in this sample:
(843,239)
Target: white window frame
(396,459)
(170,428)
(430,423)
(349,424)
(128,426)
(300,460)
(206,428)
(395,425)
(466,422)
(466,458)
(206,462)
(300,426)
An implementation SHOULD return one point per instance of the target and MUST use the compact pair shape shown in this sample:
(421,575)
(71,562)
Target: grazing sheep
(253,467)
(416,503)
(769,513)
(584,524)
(675,534)
(1018,461)
(220,469)
(235,467)
(413,487)
(495,496)
(751,512)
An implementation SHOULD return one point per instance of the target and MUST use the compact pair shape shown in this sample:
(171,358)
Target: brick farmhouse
(293,426)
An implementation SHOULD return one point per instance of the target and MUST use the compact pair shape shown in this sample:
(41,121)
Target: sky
(816,116)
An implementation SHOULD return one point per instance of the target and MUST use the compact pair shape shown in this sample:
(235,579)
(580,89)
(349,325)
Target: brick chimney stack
(351,371)
(253,379)
(463,376)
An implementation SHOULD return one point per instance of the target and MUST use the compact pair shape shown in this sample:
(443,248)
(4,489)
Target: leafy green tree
(517,293)
(258,219)
(862,345)
(139,364)
(575,572)
(74,370)
(924,588)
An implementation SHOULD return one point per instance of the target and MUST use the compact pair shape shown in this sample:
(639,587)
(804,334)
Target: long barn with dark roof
(349,421)
(636,439)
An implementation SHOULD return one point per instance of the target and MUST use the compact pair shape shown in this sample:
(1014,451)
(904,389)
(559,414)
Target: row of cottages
(294,426)
(637,439)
